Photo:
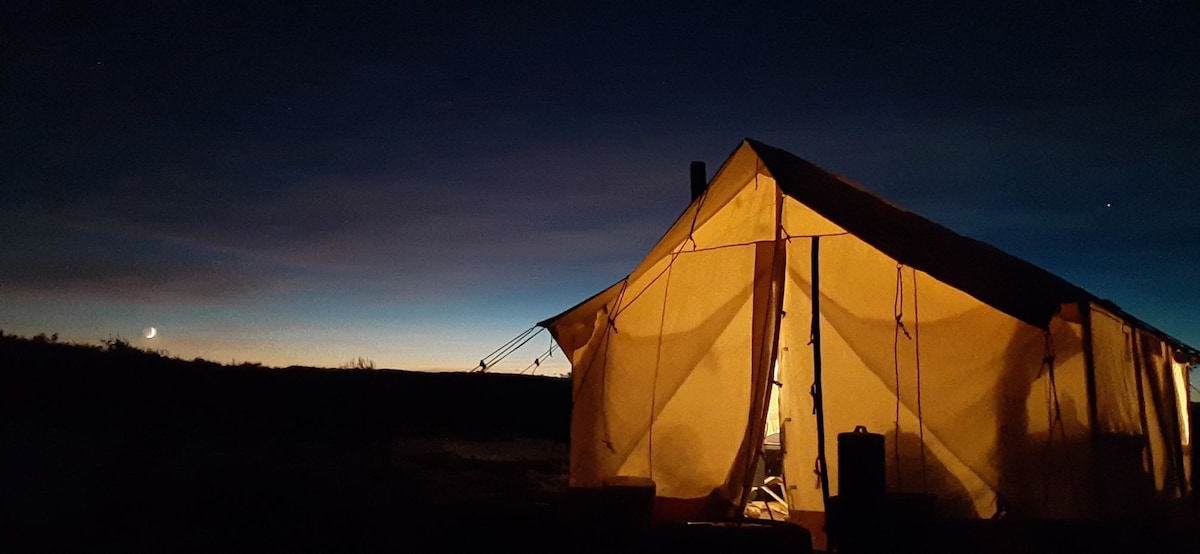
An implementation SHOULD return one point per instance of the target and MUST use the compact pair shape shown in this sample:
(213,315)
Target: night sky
(416,183)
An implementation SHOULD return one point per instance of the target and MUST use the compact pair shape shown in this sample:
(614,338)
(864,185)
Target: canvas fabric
(977,377)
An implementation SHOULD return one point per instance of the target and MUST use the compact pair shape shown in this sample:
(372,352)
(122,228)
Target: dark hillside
(117,444)
(138,390)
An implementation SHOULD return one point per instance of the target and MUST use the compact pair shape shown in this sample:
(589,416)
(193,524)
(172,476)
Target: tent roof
(1001,280)
(1005,282)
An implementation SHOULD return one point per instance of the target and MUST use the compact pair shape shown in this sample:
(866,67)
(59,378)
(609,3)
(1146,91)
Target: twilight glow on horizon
(416,184)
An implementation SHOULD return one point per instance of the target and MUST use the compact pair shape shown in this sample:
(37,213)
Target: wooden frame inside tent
(997,385)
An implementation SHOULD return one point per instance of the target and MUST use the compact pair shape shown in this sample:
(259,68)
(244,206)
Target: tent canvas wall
(994,382)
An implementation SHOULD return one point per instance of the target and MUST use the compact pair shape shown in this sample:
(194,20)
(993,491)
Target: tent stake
(818,397)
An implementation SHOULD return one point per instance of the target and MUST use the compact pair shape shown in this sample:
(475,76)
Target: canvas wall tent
(994,381)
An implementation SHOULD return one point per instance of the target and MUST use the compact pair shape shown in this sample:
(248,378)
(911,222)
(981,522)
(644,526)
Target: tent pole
(818,397)
(1089,374)
(1089,363)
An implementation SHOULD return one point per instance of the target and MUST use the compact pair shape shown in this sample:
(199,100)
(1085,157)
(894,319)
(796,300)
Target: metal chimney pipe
(699,179)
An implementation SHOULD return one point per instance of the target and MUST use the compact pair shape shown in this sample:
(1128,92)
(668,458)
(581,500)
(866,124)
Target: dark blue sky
(416,183)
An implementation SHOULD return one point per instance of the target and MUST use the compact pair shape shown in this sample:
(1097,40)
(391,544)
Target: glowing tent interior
(993,381)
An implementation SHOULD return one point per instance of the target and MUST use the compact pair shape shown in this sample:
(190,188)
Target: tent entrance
(768,498)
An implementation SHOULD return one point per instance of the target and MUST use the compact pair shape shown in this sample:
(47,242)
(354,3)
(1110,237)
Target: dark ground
(118,449)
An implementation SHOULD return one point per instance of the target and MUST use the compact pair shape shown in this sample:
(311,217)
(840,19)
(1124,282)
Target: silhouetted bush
(358,363)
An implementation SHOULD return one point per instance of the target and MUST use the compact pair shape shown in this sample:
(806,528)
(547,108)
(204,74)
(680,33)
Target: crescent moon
(150,332)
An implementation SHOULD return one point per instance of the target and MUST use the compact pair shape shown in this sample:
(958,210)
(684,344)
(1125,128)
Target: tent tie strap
(1047,363)
(900,325)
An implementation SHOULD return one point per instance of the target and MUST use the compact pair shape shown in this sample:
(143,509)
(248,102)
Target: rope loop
(898,302)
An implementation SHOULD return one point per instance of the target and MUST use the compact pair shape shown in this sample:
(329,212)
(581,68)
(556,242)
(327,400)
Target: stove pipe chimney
(699,180)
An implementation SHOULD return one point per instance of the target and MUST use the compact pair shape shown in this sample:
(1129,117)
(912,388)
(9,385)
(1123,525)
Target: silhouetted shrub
(358,363)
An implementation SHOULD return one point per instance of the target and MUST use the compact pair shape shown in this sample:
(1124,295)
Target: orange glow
(1180,372)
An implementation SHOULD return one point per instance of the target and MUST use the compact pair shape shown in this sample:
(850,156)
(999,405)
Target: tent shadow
(920,475)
